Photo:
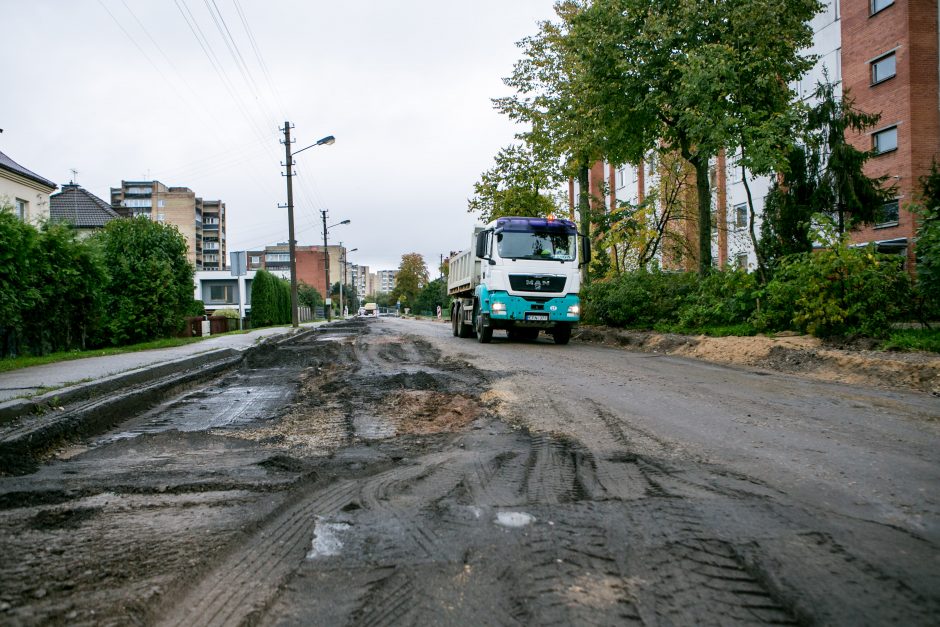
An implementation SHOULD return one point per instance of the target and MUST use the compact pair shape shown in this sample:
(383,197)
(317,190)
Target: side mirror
(585,250)
(481,245)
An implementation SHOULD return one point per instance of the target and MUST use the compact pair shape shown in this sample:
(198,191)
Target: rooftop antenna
(74,175)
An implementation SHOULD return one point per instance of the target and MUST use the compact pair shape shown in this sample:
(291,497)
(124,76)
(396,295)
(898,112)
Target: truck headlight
(499,307)
(574,310)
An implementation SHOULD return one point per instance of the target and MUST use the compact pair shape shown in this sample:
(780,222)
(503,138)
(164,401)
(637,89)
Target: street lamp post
(342,282)
(326,265)
(292,243)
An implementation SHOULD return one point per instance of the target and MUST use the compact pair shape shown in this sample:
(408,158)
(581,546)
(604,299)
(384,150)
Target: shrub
(263,300)
(639,299)
(226,313)
(150,286)
(836,292)
(723,299)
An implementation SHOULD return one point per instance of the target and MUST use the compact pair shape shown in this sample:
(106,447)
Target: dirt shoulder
(797,354)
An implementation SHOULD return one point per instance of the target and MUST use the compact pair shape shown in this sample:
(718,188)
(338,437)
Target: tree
(263,299)
(693,76)
(68,276)
(843,189)
(309,296)
(432,296)
(517,185)
(549,81)
(928,241)
(18,290)
(412,276)
(150,287)
(639,232)
(788,213)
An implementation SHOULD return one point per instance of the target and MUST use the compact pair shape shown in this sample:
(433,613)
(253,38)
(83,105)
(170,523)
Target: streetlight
(329,139)
(342,282)
(326,265)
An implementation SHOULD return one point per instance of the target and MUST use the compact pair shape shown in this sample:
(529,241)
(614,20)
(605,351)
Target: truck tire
(464,330)
(455,319)
(562,334)
(484,333)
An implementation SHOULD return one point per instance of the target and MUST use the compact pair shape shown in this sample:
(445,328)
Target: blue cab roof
(528,224)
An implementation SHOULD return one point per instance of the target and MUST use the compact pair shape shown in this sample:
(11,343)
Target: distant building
(80,209)
(200,222)
(25,191)
(386,280)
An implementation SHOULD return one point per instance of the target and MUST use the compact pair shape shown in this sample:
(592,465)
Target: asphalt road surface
(385,472)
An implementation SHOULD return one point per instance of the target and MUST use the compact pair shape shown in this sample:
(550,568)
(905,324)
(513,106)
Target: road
(385,472)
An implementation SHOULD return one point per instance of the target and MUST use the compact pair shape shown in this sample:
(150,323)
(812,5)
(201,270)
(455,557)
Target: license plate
(536,317)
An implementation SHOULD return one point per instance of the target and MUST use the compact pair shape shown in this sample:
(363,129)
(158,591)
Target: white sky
(404,86)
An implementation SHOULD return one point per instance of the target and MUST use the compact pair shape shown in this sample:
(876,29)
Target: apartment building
(200,222)
(385,281)
(361,279)
(885,53)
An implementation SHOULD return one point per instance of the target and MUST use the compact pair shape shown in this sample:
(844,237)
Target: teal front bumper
(503,307)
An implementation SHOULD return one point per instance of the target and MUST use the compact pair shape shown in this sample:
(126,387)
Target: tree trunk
(584,210)
(761,264)
(700,163)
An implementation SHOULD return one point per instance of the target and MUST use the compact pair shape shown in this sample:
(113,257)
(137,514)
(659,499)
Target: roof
(80,208)
(10,165)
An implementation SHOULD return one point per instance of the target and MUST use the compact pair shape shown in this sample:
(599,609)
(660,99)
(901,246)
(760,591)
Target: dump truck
(521,275)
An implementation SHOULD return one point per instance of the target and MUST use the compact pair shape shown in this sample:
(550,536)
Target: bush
(639,299)
(723,299)
(836,292)
(263,300)
(150,285)
(226,313)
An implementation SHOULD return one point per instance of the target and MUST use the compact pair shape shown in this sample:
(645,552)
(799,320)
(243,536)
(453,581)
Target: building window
(878,5)
(221,294)
(740,261)
(276,257)
(22,209)
(884,68)
(740,215)
(886,140)
(734,170)
(890,213)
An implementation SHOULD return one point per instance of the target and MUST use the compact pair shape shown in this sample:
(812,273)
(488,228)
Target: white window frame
(22,209)
(740,261)
(885,132)
(875,64)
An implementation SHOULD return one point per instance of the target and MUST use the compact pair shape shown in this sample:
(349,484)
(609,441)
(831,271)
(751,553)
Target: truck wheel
(484,333)
(463,330)
(454,320)
(562,334)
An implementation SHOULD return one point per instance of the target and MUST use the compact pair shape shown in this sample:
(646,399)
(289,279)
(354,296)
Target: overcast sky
(149,89)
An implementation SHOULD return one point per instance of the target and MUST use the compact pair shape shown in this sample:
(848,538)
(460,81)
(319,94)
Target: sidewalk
(50,377)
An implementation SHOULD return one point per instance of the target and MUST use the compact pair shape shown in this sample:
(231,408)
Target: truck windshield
(545,245)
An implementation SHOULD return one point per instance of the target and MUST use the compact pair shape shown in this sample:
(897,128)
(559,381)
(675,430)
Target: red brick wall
(310,269)
(909,99)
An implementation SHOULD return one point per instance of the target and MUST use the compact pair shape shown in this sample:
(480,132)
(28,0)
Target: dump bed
(464,273)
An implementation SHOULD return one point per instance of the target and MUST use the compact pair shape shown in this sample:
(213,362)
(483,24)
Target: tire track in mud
(246,582)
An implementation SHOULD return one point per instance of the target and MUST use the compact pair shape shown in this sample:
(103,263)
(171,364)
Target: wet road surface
(385,472)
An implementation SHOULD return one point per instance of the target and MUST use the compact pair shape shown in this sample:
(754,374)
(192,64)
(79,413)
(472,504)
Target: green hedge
(837,292)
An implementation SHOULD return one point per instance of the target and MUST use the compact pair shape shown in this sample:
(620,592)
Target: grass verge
(913,340)
(26,361)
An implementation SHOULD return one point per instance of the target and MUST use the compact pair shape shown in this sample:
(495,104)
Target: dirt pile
(793,354)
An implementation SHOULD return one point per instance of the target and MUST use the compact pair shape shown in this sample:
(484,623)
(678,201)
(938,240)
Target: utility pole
(289,163)
(326,272)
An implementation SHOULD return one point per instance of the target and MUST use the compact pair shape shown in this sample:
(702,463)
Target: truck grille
(536,283)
